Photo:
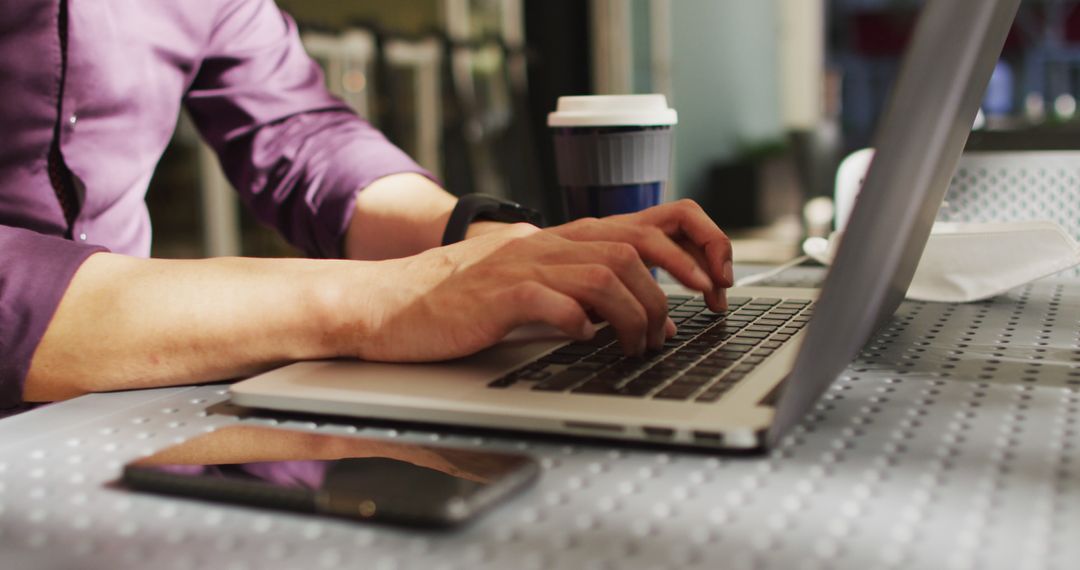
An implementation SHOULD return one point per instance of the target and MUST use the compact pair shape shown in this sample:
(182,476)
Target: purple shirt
(296,154)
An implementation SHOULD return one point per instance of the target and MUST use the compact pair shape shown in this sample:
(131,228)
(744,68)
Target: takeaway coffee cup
(612,152)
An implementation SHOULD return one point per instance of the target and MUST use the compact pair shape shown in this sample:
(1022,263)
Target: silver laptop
(737,380)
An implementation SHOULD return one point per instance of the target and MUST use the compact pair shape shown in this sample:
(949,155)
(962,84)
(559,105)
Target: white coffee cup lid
(613,111)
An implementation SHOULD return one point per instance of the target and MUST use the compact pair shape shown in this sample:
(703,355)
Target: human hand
(678,237)
(453,301)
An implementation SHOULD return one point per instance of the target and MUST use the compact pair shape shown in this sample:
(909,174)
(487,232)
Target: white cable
(759,277)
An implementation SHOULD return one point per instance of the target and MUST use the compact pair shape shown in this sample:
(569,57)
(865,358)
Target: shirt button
(82,237)
(73,119)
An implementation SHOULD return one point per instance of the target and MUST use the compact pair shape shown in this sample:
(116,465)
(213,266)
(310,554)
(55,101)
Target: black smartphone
(357,478)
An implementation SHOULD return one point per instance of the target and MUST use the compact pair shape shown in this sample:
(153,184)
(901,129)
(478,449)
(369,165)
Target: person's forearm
(402,215)
(131,323)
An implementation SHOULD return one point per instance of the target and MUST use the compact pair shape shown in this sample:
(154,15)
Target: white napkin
(976,261)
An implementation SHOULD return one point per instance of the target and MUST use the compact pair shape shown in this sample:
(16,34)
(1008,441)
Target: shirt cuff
(351,178)
(35,271)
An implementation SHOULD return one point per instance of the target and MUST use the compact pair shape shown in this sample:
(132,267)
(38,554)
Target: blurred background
(771,95)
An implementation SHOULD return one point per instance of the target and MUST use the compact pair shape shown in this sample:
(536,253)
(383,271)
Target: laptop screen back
(948,64)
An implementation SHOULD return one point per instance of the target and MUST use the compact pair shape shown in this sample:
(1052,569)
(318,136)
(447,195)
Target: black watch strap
(472,207)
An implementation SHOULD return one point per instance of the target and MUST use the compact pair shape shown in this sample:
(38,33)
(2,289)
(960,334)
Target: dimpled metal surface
(951,442)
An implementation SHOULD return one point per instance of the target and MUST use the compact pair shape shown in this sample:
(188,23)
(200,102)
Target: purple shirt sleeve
(35,270)
(296,154)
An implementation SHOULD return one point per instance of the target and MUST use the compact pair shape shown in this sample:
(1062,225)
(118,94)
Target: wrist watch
(473,207)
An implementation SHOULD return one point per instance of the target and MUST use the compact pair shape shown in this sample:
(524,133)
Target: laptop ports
(658,432)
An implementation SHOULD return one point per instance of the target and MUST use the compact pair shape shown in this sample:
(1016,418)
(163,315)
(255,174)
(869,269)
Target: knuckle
(688,205)
(499,271)
(653,232)
(522,229)
(483,272)
(537,272)
(525,293)
(600,277)
(643,233)
(567,313)
(722,246)
(623,254)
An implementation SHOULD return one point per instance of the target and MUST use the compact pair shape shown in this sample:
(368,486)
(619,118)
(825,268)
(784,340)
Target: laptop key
(676,392)
(612,350)
(563,380)
(554,358)
(535,375)
(714,392)
(504,382)
(576,349)
(736,301)
(597,388)
(603,337)
(638,389)
(704,371)
(601,358)
(710,396)
(715,339)
(722,357)
(592,366)
(696,380)
(707,370)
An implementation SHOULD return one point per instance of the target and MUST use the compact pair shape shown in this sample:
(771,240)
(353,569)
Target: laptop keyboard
(710,354)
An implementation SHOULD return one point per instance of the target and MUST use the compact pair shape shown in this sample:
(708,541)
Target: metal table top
(951,442)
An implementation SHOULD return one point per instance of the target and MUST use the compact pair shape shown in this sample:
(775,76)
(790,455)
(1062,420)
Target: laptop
(737,380)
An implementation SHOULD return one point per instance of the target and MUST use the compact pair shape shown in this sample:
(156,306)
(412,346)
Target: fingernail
(588,330)
(722,297)
(729,273)
(670,328)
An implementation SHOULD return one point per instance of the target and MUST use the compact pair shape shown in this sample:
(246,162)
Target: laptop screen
(934,101)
